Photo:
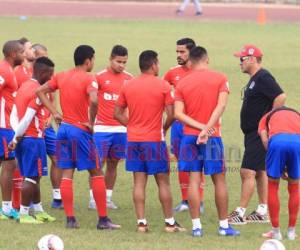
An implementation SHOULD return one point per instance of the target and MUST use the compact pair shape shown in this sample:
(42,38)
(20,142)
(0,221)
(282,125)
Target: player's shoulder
(127,74)
(101,72)
(174,69)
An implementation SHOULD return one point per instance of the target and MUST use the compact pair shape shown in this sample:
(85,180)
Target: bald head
(39,50)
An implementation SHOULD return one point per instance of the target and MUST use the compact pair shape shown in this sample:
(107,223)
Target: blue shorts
(110,145)
(196,158)
(32,157)
(148,157)
(75,148)
(283,151)
(176,137)
(50,140)
(6,136)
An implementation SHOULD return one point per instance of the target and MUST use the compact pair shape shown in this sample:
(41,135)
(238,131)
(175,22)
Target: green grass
(281,46)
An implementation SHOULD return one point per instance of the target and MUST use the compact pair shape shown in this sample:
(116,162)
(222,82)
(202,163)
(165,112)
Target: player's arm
(120,114)
(93,107)
(169,109)
(215,117)
(42,92)
(181,116)
(263,132)
(13,119)
(22,127)
(279,101)
(264,138)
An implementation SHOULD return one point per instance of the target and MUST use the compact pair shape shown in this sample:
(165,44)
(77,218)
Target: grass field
(281,46)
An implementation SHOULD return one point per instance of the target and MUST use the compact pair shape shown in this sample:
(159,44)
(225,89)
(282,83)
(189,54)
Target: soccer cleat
(44,217)
(92,205)
(272,235)
(27,219)
(197,232)
(291,234)
(174,228)
(2,217)
(142,228)
(235,219)
(13,214)
(72,223)
(106,223)
(57,204)
(179,12)
(228,231)
(255,217)
(198,13)
(111,205)
(182,206)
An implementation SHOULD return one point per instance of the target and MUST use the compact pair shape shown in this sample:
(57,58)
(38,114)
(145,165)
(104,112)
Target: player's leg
(214,165)
(258,155)
(116,152)
(17,186)
(183,6)
(8,161)
(55,172)
(198,7)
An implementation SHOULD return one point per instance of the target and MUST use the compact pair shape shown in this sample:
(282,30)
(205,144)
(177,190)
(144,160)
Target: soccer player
(260,95)
(146,97)
(200,100)
(110,135)
(29,143)
(23,73)
(75,147)
(280,134)
(13,53)
(173,76)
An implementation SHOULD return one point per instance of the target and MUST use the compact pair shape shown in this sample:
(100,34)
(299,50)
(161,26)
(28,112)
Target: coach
(260,95)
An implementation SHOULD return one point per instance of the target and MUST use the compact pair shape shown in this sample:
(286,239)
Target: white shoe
(182,206)
(291,234)
(111,205)
(273,234)
(92,205)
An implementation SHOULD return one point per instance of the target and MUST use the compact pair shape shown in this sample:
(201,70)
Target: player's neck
(200,66)
(27,64)
(82,68)
(10,61)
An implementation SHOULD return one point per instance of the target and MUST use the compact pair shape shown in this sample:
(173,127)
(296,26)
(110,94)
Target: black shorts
(255,153)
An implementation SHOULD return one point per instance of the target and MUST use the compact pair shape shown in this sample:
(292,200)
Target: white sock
(24,210)
(223,223)
(38,207)
(109,194)
(170,221)
(91,196)
(143,221)
(262,209)
(56,194)
(196,223)
(6,206)
(241,211)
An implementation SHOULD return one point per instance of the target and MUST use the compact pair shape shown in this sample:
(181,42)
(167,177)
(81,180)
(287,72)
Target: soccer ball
(50,242)
(272,245)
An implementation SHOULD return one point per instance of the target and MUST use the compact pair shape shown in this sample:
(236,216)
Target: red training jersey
(199,91)
(8,88)
(22,74)
(175,74)
(283,121)
(145,97)
(74,87)
(26,98)
(109,84)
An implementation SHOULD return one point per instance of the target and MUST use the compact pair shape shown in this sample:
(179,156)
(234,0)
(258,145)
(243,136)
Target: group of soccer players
(105,118)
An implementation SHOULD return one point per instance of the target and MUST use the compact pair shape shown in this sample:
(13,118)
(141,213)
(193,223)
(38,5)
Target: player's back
(146,97)
(74,86)
(200,92)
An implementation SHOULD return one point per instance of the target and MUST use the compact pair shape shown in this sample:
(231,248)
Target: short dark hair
(82,53)
(45,61)
(188,42)
(118,50)
(198,53)
(10,47)
(23,40)
(146,59)
(37,46)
